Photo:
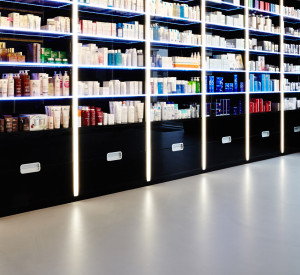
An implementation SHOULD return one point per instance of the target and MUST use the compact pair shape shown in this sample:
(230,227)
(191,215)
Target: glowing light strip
(225,49)
(247,86)
(164,95)
(109,67)
(99,37)
(110,9)
(266,52)
(263,11)
(167,43)
(37,32)
(174,69)
(282,31)
(75,145)
(148,91)
(34,98)
(31,64)
(264,32)
(175,18)
(203,86)
(107,96)
(211,24)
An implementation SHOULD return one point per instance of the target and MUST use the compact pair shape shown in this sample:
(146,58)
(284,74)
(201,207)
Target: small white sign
(114,156)
(177,147)
(226,140)
(30,168)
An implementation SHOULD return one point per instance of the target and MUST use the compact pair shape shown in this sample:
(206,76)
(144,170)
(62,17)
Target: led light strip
(282,77)
(147,89)
(203,84)
(247,85)
(75,145)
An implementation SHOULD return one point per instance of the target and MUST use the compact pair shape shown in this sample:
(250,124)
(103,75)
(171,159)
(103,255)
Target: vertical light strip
(247,84)
(147,89)
(203,85)
(282,127)
(75,99)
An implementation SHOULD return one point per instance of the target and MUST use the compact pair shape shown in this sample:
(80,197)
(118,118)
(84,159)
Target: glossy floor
(242,220)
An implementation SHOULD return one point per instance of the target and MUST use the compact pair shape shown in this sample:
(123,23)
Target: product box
(219,84)
(236,83)
(211,84)
(37,122)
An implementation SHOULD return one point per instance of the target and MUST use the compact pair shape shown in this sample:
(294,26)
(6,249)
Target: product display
(218,17)
(229,61)
(263,83)
(162,33)
(169,111)
(120,113)
(292,11)
(170,85)
(162,8)
(262,23)
(218,41)
(264,6)
(291,68)
(291,103)
(193,62)
(261,66)
(292,31)
(291,86)
(258,105)
(291,48)
(263,45)
(130,30)
(134,5)
(92,55)
(112,87)
(216,84)
(56,117)
(222,107)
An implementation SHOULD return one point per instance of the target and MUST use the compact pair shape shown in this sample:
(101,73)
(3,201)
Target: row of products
(219,41)
(163,33)
(134,5)
(263,45)
(92,55)
(216,84)
(121,112)
(217,17)
(291,86)
(258,105)
(40,84)
(291,68)
(262,23)
(176,61)
(222,107)
(291,48)
(160,111)
(229,61)
(130,30)
(35,53)
(291,103)
(112,87)
(292,11)
(33,22)
(263,83)
(292,31)
(261,66)
(265,6)
(170,85)
(55,118)
(159,7)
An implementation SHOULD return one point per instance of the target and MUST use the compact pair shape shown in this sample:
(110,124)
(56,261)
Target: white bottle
(129,59)
(61,83)
(10,85)
(66,84)
(4,87)
(45,85)
(134,58)
(56,85)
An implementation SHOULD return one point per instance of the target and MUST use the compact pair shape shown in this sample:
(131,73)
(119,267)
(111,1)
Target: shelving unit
(217,128)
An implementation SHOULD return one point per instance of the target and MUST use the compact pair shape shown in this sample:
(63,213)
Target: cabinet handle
(113,156)
(177,147)
(29,168)
(265,134)
(297,129)
(226,140)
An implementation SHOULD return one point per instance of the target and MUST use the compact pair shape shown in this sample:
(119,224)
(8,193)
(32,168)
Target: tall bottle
(25,83)
(10,85)
(66,84)
(17,85)
(56,84)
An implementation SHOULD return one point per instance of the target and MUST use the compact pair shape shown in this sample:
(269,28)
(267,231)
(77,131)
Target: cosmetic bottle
(17,85)
(66,84)
(56,84)
(10,85)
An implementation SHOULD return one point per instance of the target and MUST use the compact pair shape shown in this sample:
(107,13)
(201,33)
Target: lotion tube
(66,116)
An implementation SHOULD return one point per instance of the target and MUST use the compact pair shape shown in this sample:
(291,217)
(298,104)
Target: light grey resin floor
(242,220)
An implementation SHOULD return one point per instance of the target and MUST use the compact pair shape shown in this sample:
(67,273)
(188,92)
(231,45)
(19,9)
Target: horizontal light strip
(108,96)
(31,64)
(263,52)
(263,11)
(174,69)
(109,8)
(167,43)
(109,67)
(87,36)
(34,98)
(34,32)
(263,72)
(175,18)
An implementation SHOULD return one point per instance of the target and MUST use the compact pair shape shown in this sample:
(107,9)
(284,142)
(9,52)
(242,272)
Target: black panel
(264,146)
(222,155)
(165,162)
(52,185)
(99,176)
(292,136)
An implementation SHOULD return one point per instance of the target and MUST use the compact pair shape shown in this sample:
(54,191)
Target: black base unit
(292,131)
(225,141)
(176,149)
(49,153)
(112,159)
(264,135)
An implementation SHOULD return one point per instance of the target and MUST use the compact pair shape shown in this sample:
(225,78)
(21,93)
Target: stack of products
(261,66)
(291,86)
(291,48)
(222,107)
(263,83)
(291,103)
(265,6)
(229,61)
(55,117)
(218,17)
(220,86)
(218,41)
(39,84)
(170,111)
(262,23)
(121,112)
(258,105)
(134,5)
(292,11)
(263,45)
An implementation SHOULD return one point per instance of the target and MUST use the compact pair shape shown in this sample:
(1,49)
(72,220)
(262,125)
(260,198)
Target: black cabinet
(225,141)
(51,151)
(264,135)
(112,159)
(292,131)
(176,148)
